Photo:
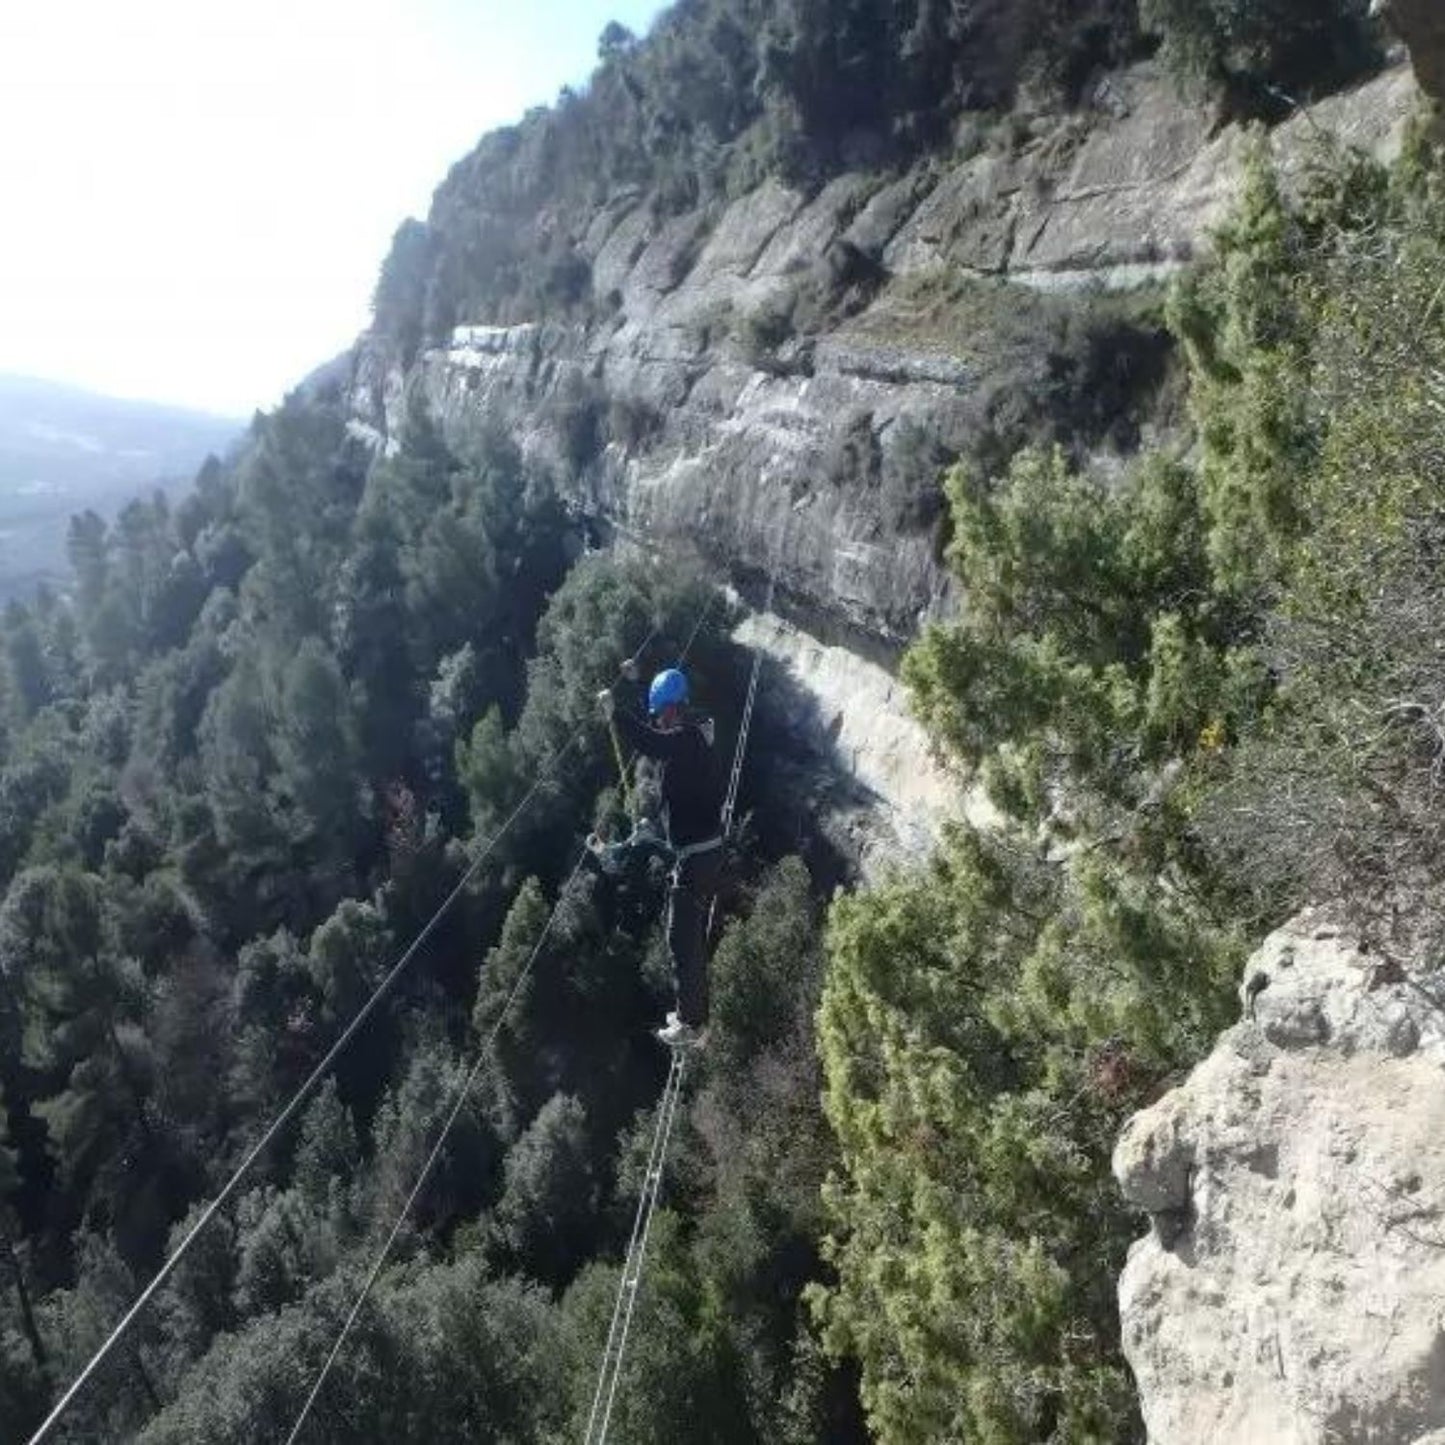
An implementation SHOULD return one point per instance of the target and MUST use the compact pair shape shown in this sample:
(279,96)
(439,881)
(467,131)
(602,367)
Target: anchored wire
(745,727)
(622,767)
(614,1352)
(696,628)
(300,1097)
(459,1098)
(634,1288)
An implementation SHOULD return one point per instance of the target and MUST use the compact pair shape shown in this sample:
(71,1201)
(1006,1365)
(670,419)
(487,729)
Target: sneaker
(678,1035)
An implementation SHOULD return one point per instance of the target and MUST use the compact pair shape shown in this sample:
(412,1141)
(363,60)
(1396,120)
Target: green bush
(987,1027)
(1251,50)
(1338,794)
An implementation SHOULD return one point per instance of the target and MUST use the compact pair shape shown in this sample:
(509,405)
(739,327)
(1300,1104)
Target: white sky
(195,196)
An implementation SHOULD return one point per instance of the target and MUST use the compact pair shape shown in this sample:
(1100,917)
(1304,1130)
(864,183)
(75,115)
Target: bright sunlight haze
(199,195)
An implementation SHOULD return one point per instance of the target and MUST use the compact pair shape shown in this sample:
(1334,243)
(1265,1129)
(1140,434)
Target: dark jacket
(691,797)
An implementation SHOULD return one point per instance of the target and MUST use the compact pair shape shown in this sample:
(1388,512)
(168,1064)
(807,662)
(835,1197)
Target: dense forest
(270,727)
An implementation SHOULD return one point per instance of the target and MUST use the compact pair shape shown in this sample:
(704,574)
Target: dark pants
(689,901)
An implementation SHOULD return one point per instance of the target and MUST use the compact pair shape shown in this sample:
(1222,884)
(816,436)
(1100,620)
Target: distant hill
(63,449)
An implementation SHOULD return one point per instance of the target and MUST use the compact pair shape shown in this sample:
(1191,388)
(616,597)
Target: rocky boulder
(1421,25)
(1292,1286)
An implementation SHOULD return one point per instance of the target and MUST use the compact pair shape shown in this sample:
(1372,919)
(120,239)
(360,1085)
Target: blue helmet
(669,689)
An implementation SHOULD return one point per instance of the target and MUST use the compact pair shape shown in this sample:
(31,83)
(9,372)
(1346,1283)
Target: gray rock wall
(740,452)
(897,796)
(802,453)
(1292,1286)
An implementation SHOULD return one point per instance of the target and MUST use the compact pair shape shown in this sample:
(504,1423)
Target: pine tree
(328,1152)
(312,741)
(549,1191)
(238,763)
(13,1253)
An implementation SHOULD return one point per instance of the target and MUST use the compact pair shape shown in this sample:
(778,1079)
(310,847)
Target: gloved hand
(630,669)
(607,702)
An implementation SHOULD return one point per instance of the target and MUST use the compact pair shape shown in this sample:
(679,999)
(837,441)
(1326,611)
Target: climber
(690,835)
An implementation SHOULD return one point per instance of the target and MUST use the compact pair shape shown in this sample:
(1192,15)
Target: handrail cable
(300,1097)
(460,1094)
(630,1281)
(636,1285)
(628,1260)
(622,766)
(696,628)
(745,727)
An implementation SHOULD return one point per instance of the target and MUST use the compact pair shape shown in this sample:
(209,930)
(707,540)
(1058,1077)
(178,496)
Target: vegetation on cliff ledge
(723,94)
(1198,698)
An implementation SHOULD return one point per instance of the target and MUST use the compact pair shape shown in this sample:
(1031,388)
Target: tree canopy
(242,766)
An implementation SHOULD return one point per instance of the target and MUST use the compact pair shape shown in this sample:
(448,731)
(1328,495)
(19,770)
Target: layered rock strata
(686,413)
(766,448)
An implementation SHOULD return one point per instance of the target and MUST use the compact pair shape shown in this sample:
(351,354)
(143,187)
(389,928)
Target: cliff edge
(1292,1286)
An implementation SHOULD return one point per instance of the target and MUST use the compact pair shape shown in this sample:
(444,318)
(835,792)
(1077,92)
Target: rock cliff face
(886,793)
(1292,1287)
(779,384)
(740,441)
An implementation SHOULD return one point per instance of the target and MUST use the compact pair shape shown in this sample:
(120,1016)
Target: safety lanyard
(621,767)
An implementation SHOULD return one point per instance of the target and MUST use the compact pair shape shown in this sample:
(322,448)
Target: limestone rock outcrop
(916,310)
(803,448)
(1292,1287)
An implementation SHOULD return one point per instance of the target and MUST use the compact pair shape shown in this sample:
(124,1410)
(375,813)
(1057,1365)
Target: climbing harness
(622,767)
(614,1352)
